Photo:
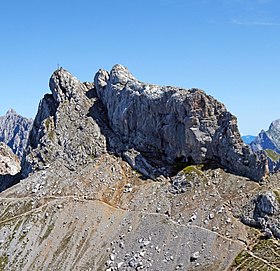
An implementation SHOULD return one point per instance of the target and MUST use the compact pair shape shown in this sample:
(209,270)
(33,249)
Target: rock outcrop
(9,162)
(64,129)
(168,124)
(14,131)
(263,212)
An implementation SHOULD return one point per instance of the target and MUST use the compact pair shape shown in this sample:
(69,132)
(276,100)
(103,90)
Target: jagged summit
(14,131)
(152,127)
(269,141)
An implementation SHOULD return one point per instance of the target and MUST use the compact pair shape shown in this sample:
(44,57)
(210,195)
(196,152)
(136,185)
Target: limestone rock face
(9,162)
(64,129)
(14,131)
(263,212)
(168,124)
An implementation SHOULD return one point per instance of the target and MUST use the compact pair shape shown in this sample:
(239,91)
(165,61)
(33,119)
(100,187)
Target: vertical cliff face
(172,124)
(63,129)
(14,131)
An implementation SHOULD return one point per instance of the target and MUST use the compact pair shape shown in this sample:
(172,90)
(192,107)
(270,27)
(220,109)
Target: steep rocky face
(168,125)
(14,131)
(9,162)
(64,129)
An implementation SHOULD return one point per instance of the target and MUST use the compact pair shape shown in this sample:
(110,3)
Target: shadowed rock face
(169,124)
(14,131)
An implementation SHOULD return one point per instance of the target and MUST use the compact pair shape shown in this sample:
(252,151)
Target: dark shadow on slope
(8,180)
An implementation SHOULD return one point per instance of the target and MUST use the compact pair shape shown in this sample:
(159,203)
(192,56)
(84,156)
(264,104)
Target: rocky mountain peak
(275,125)
(64,85)
(14,131)
(168,124)
(152,127)
(64,130)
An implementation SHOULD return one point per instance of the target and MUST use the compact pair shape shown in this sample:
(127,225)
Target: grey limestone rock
(263,212)
(64,128)
(9,162)
(267,203)
(14,131)
(168,124)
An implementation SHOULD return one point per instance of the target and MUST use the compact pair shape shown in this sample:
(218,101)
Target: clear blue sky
(229,48)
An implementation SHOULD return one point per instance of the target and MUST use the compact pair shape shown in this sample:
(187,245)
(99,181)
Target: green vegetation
(263,256)
(3,262)
(47,232)
(273,155)
(241,257)
(277,194)
(193,169)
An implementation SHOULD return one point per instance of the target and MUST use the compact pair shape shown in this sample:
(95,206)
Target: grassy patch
(277,194)
(241,257)
(3,262)
(274,156)
(193,169)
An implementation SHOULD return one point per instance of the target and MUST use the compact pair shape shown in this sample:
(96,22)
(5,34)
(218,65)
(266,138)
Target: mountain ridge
(100,193)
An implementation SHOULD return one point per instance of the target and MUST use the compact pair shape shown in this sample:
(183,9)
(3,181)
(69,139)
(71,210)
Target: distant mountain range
(14,131)
(247,139)
(269,141)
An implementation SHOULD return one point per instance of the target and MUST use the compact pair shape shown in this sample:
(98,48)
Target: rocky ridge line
(151,127)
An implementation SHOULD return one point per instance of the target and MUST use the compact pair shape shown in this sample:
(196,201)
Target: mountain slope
(109,185)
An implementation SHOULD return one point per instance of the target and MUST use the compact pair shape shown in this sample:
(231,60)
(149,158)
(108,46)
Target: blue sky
(229,48)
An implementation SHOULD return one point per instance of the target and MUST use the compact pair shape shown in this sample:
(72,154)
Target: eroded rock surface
(169,124)
(65,129)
